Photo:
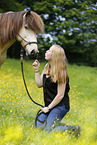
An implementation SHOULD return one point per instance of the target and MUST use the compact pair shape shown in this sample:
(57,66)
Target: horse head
(32,24)
(23,26)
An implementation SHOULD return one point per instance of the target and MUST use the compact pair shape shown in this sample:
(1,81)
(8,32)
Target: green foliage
(72,24)
(17,112)
(10,5)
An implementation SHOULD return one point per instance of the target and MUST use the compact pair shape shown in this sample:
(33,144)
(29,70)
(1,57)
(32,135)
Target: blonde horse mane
(11,22)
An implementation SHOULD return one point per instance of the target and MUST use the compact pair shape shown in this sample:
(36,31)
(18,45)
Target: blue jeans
(52,119)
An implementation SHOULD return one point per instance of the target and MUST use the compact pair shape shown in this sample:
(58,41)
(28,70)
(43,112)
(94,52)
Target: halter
(27,43)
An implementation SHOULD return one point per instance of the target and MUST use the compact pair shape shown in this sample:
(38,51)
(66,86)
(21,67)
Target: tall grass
(17,112)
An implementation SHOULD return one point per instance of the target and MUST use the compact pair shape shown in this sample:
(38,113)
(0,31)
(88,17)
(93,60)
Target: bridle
(27,43)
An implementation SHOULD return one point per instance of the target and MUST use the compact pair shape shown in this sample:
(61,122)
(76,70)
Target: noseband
(27,43)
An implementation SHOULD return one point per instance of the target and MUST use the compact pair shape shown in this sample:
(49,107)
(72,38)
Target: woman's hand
(45,109)
(36,65)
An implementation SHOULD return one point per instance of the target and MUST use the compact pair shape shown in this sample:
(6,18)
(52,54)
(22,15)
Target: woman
(55,82)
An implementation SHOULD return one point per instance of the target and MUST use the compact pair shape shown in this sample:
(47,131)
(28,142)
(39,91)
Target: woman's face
(48,55)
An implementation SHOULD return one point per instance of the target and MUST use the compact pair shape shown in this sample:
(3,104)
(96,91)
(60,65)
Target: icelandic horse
(22,26)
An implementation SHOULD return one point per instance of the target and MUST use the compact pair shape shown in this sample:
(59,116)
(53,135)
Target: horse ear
(28,12)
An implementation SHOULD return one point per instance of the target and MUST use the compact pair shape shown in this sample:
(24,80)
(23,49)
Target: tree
(72,24)
(10,5)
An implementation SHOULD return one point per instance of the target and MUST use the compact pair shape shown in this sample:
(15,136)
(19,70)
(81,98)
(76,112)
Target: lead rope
(21,55)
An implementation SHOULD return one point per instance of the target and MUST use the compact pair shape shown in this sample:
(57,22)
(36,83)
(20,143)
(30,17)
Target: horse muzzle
(33,54)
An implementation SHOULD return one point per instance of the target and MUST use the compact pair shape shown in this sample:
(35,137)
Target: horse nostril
(33,55)
(32,52)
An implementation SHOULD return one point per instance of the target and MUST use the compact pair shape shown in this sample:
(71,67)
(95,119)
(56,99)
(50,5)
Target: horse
(22,26)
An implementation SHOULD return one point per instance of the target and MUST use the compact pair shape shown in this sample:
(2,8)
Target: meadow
(17,112)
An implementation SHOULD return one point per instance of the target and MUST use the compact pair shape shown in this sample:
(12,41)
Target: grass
(17,112)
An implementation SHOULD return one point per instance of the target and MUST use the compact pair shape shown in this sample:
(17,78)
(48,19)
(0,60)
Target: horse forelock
(35,22)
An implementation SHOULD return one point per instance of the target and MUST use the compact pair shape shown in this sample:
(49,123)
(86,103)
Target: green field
(17,112)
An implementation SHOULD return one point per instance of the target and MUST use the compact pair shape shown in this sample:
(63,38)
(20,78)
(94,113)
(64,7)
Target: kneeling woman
(55,82)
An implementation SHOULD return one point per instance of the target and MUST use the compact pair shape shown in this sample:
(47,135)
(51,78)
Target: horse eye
(25,27)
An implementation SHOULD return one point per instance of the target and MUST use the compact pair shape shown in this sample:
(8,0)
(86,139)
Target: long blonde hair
(58,70)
